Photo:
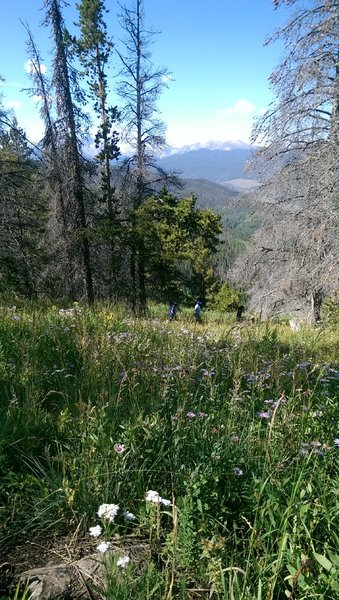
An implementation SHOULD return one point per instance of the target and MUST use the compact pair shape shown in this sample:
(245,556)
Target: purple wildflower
(190,414)
(264,414)
(238,472)
(120,448)
(336,441)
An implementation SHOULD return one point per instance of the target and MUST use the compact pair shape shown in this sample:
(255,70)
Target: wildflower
(203,414)
(166,502)
(271,403)
(235,439)
(336,441)
(207,373)
(123,561)
(103,547)
(120,448)
(190,414)
(155,497)
(264,414)
(238,472)
(128,516)
(108,511)
(95,531)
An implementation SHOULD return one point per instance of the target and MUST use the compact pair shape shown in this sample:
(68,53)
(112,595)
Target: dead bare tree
(298,167)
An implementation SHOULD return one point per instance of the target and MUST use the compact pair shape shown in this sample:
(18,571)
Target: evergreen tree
(94,49)
(140,86)
(180,242)
(70,122)
(22,212)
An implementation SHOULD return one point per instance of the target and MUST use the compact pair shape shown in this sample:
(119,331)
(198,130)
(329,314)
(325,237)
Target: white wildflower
(95,531)
(103,547)
(108,511)
(165,502)
(128,516)
(153,496)
(123,561)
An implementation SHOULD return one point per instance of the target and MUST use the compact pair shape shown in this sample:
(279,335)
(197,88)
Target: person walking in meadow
(173,311)
(240,311)
(197,310)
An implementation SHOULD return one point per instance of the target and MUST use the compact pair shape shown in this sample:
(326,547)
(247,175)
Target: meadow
(215,445)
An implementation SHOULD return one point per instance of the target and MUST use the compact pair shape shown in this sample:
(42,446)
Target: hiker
(173,311)
(197,310)
(240,310)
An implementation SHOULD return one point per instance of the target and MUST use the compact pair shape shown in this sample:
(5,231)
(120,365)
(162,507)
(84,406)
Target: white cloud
(241,107)
(30,67)
(15,104)
(231,124)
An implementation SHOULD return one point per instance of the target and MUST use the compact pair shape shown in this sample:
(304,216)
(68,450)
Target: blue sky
(214,50)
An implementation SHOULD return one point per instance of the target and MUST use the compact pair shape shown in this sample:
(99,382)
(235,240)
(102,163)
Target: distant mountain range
(222,163)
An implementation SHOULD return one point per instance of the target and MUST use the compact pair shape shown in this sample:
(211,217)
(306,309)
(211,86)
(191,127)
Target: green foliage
(227,298)
(236,427)
(179,242)
(330,309)
(22,213)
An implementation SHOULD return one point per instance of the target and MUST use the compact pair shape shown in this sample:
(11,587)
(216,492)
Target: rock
(74,579)
(47,583)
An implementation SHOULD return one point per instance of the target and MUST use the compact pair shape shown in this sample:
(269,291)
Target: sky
(214,50)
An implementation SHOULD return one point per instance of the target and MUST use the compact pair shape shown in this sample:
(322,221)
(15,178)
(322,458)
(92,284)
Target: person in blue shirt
(197,310)
(173,311)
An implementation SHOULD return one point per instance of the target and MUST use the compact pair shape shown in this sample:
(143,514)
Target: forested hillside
(169,345)
(72,227)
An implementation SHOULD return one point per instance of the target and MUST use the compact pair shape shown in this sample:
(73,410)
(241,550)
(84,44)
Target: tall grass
(237,425)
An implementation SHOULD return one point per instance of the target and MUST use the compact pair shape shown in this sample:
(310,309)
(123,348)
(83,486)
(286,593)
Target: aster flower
(120,448)
(264,414)
(336,441)
(238,471)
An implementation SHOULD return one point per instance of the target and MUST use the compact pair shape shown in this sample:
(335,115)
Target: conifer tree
(70,120)
(22,212)
(94,49)
(139,88)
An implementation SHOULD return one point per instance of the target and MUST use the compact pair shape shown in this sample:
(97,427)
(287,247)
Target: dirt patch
(57,550)
(40,552)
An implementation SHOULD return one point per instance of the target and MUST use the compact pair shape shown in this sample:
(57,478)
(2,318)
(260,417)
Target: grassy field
(233,428)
